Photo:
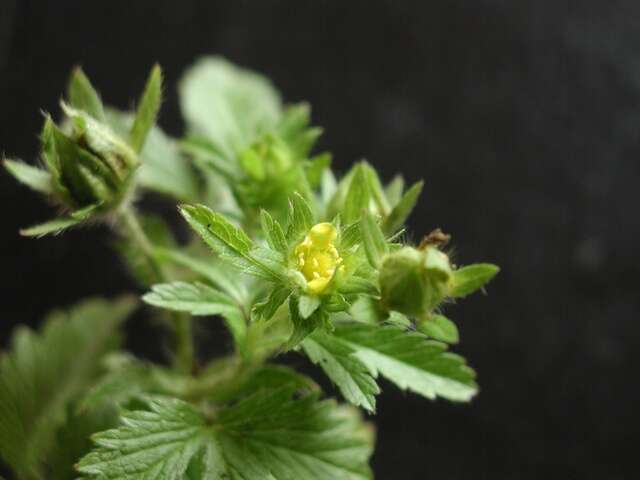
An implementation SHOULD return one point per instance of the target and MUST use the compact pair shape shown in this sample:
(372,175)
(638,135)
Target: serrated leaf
(35,178)
(300,217)
(271,434)
(220,274)
(357,197)
(410,360)
(344,369)
(402,210)
(83,96)
(232,244)
(273,232)
(467,280)
(226,104)
(43,372)
(147,110)
(375,245)
(439,328)
(199,299)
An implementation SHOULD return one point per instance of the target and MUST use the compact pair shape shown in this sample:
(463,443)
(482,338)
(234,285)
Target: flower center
(317,256)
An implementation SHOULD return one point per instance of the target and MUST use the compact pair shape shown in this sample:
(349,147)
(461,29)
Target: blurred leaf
(145,117)
(227,104)
(402,210)
(35,178)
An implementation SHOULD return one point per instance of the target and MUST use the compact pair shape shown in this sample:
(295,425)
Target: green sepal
(467,280)
(35,178)
(83,96)
(439,328)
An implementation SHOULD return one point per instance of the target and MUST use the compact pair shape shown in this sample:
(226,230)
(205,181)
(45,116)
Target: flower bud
(414,282)
(317,257)
(88,166)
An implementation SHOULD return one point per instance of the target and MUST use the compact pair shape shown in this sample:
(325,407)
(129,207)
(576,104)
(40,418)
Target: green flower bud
(271,173)
(414,282)
(90,165)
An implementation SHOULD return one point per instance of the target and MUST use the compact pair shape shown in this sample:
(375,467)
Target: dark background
(521,116)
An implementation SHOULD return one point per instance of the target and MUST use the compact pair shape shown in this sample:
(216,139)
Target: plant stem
(183,360)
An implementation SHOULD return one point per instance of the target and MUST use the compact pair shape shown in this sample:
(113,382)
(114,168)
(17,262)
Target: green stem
(184,357)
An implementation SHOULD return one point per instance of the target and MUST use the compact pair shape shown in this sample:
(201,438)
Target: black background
(521,116)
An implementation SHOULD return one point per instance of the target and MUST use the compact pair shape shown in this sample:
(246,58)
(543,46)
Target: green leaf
(393,190)
(376,191)
(301,326)
(268,308)
(83,96)
(357,198)
(344,369)
(35,178)
(194,298)
(198,299)
(214,271)
(58,225)
(163,168)
(44,371)
(271,434)
(410,360)
(147,109)
(226,104)
(300,217)
(308,304)
(273,233)
(375,245)
(440,328)
(316,167)
(403,209)
(232,244)
(73,440)
(468,279)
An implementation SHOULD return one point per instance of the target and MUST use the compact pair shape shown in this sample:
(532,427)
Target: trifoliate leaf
(344,369)
(35,178)
(375,245)
(402,210)
(232,244)
(468,279)
(300,217)
(228,105)
(147,110)
(44,371)
(439,328)
(410,360)
(273,232)
(198,299)
(83,96)
(271,434)
(357,198)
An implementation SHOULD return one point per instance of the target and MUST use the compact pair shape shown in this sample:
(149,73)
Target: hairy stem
(183,360)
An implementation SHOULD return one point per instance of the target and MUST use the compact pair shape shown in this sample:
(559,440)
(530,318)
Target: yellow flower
(318,258)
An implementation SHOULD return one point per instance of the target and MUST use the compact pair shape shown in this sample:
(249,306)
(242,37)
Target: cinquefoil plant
(297,261)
